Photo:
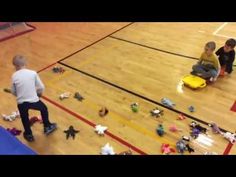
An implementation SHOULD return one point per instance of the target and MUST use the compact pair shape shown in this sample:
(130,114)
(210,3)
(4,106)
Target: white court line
(218,29)
(221,35)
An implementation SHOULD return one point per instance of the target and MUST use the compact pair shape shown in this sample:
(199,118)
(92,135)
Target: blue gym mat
(10,145)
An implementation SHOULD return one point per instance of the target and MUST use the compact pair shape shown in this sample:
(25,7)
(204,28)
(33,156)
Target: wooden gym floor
(114,65)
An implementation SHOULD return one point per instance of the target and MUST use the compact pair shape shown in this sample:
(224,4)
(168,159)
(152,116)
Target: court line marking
(126,41)
(95,42)
(215,33)
(84,48)
(136,94)
(219,28)
(93,125)
(221,35)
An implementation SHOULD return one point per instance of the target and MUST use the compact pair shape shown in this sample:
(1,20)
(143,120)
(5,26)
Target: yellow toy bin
(194,82)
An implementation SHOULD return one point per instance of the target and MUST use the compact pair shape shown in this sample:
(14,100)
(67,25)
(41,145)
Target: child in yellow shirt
(208,66)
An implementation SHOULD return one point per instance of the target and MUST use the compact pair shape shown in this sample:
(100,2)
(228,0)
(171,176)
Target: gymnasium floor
(114,65)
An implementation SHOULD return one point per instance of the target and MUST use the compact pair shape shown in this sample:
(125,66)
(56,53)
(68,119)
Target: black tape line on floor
(95,42)
(154,48)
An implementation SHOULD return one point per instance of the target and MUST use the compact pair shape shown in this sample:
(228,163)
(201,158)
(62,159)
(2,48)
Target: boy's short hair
(211,45)
(231,43)
(19,60)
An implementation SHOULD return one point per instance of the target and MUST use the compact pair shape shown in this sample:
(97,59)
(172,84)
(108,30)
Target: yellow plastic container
(194,82)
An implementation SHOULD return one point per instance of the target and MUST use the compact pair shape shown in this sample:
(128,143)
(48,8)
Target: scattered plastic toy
(134,107)
(230,136)
(128,152)
(186,138)
(198,126)
(195,132)
(215,128)
(181,117)
(64,95)
(107,150)
(181,146)
(7,90)
(103,112)
(173,128)
(157,112)
(190,149)
(11,117)
(71,132)
(167,102)
(35,119)
(100,129)
(166,149)
(14,131)
(78,96)
(191,109)
(58,69)
(160,130)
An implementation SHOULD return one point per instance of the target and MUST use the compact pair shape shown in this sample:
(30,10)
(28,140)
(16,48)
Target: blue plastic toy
(191,109)
(181,146)
(160,130)
(167,102)
(195,132)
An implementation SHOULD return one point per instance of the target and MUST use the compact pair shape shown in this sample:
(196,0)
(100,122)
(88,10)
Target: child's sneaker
(28,137)
(49,129)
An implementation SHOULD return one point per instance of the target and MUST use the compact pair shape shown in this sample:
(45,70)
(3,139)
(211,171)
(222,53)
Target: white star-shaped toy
(100,129)
(11,117)
(107,150)
(64,95)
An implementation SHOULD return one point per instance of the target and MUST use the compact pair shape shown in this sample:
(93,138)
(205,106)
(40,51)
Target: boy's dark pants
(24,114)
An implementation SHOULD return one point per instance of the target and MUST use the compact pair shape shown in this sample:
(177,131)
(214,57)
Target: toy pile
(58,69)
(11,117)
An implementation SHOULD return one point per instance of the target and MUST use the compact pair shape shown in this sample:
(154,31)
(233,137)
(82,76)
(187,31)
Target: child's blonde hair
(19,61)
(211,45)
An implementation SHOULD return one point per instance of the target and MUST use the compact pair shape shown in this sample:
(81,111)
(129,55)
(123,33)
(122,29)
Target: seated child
(226,56)
(208,66)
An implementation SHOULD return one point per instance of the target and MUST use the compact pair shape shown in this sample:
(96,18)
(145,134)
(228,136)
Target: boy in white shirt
(27,87)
